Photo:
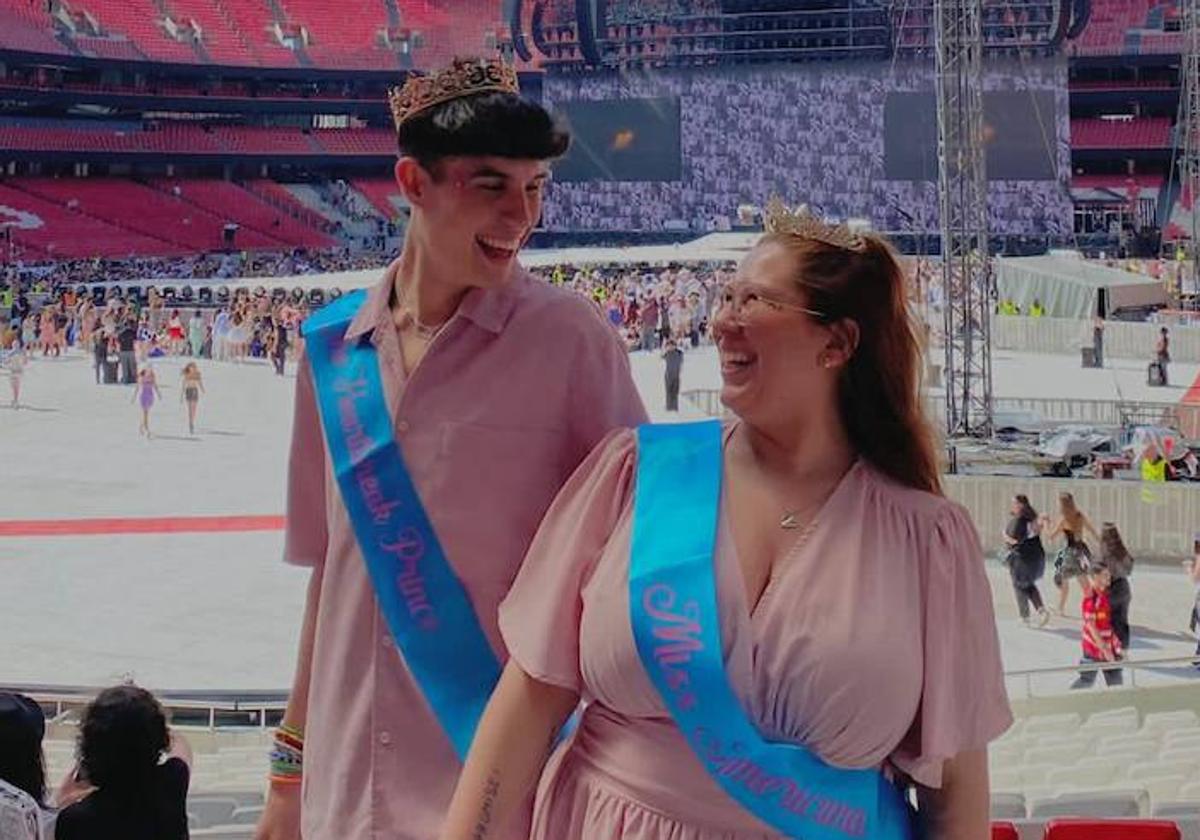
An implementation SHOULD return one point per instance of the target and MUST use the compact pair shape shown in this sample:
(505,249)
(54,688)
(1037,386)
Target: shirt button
(386,641)
(385,738)
(402,426)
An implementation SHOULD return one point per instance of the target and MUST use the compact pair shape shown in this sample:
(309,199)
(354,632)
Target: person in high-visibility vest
(1036,310)
(1154,472)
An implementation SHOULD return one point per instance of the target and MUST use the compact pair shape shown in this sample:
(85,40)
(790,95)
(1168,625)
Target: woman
(1117,559)
(1026,559)
(1073,558)
(16,363)
(135,793)
(191,388)
(23,811)
(175,335)
(196,331)
(840,568)
(145,390)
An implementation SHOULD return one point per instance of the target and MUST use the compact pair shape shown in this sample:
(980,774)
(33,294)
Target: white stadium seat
(1090,774)
(1007,806)
(1100,804)
(1051,724)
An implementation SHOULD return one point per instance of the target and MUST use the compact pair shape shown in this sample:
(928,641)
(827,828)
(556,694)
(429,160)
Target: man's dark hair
(485,125)
(123,734)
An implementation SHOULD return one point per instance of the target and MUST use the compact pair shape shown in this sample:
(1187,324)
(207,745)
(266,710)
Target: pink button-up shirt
(517,388)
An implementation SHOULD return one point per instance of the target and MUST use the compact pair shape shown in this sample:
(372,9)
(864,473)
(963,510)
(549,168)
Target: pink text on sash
(407,547)
(678,635)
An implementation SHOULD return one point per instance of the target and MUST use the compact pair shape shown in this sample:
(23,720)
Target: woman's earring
(824,361)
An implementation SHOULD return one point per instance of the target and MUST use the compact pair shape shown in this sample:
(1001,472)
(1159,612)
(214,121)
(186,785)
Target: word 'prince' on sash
(424,603)
(676,625)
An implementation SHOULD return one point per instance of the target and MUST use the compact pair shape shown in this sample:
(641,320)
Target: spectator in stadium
(1117,559)
(828,467)
(127,337)
(133,770)
(1099,639)
(220,335)
(1162,353)
(533,379)
(24,814)
(673,357)
(99,346)
(191,387)
(16,361)
(1073,558)
(1026,558)
(145,392)
(196,332)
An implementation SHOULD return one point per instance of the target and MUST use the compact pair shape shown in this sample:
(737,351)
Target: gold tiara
(464,77)
(801,223)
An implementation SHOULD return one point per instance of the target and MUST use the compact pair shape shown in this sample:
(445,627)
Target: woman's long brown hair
(1071,514)
(879,394)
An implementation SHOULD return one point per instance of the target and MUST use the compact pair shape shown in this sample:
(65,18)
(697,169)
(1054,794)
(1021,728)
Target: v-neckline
(788,558)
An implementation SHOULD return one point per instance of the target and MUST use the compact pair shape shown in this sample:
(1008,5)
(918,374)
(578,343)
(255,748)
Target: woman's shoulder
(913,502)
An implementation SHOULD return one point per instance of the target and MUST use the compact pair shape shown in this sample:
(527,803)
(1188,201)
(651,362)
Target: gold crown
(464,77)
(801,223)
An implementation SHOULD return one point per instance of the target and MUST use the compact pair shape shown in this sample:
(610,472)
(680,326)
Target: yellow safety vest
(1153,472)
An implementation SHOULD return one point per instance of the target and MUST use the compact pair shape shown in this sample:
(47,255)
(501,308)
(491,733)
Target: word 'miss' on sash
(424,603)
(676,625)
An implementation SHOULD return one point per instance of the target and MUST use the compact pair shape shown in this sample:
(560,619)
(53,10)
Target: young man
(492,388)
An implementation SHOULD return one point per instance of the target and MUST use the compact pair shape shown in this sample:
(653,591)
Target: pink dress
(875,642)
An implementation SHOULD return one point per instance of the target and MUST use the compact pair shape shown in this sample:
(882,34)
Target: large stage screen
(622,140)
(1019,132)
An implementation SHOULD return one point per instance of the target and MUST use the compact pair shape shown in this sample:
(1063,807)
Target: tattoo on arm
(491,788)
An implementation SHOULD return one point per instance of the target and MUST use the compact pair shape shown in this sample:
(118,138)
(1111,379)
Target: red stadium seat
(1004,831)
(1111,830)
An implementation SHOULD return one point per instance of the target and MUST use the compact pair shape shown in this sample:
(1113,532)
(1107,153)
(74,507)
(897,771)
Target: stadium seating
(219,37)
(84,217)
(1099,830)
(142,23)
(379,191)
(1141,133)
(26,26)
(337,39)
(1118,27)
(187,138)
(248,32)
(64,232)
(281,197)
(366,141)
(227,200)
(1112,764)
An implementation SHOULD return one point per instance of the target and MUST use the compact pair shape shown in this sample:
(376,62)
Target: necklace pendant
(788,521)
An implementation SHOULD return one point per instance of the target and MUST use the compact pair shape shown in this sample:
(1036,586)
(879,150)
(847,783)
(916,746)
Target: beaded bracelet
(287,755)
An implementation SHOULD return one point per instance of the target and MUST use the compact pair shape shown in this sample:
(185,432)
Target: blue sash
(419,595)
(676,625)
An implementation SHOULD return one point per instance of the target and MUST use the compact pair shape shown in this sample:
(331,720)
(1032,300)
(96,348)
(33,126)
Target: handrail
(260,703)
(1131,665)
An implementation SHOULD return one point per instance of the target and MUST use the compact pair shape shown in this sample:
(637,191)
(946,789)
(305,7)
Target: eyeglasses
(742,298)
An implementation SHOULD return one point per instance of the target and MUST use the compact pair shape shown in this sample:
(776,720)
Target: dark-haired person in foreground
(23,811)
(136,769)
(437,415)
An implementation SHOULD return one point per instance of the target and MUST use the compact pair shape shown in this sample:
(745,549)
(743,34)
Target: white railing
(1027,675)
(260,705)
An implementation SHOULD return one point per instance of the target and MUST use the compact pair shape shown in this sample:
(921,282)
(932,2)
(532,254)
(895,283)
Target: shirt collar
(488,309)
